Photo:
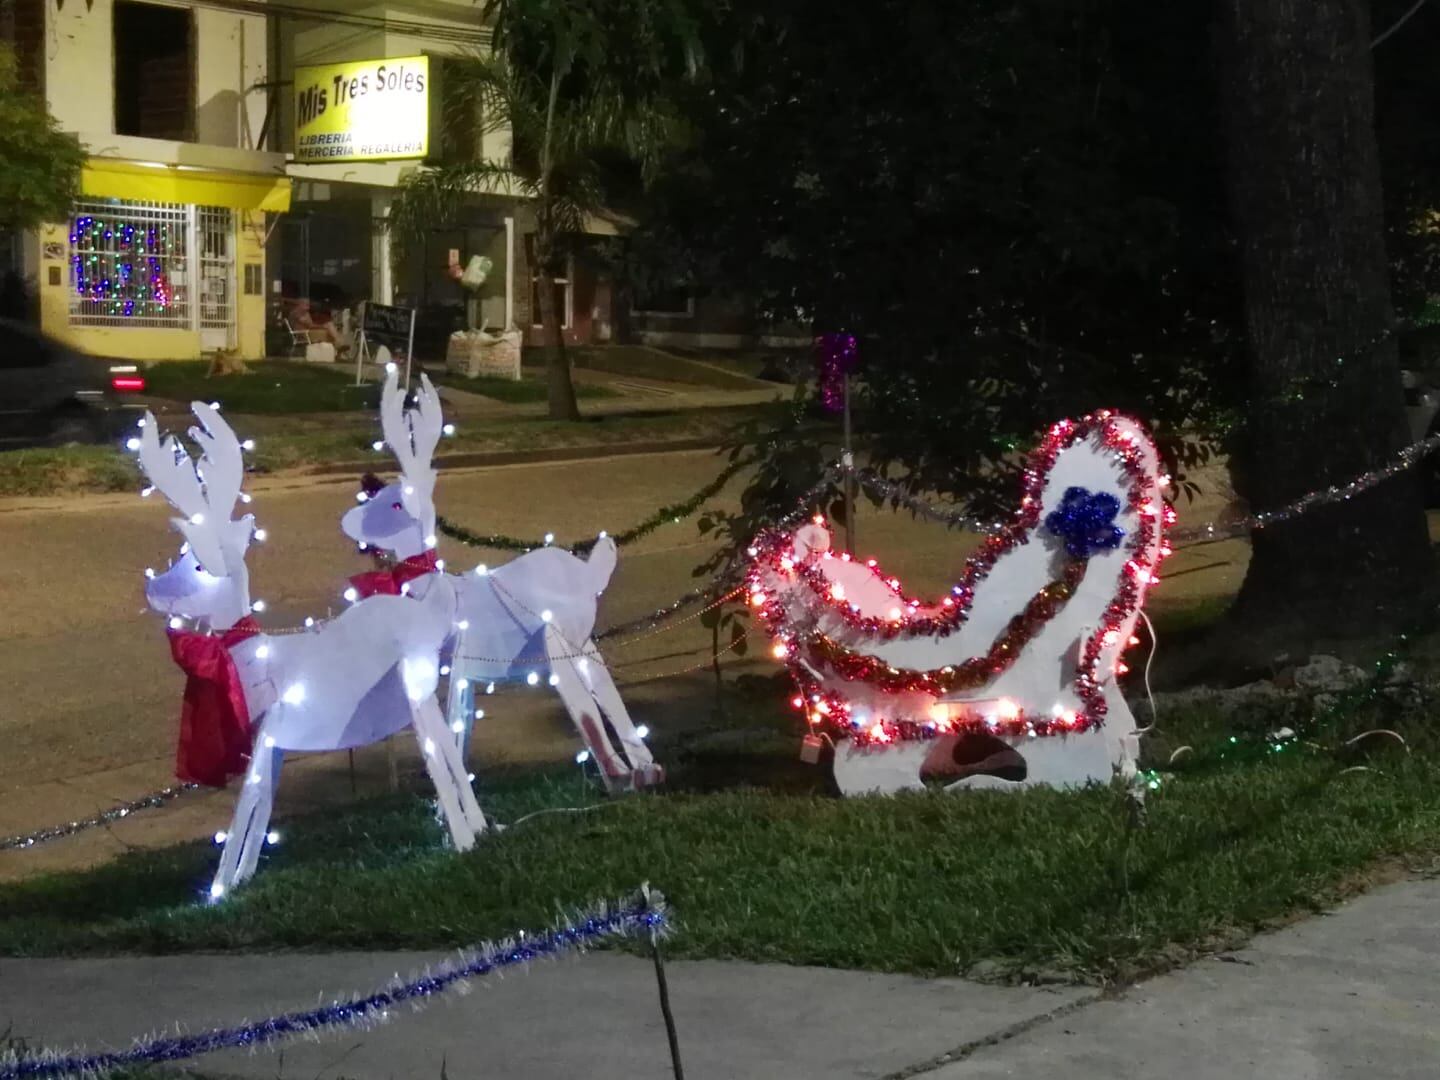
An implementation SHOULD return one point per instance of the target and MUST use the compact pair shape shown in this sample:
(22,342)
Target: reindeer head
(209,582)
(400,517)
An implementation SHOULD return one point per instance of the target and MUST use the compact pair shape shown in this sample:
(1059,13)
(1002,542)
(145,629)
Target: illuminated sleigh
(1009,680)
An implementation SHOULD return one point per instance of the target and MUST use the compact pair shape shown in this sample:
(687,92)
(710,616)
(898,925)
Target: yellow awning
(203,187)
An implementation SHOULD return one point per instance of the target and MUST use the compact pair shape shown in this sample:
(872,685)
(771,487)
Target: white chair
(300,340)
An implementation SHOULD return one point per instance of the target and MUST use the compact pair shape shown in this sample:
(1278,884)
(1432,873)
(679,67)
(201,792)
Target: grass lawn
(90,469)
(524,391)
(272,387)
(762,863)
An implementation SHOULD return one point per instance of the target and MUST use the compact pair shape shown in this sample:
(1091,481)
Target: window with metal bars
(129,264)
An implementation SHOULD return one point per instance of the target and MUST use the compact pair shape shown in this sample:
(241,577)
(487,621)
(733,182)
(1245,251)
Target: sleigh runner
(1007,681)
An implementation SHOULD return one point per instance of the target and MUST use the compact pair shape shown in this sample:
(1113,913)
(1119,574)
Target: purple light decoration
(837,355)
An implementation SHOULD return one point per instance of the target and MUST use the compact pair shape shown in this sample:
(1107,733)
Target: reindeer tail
(602,562)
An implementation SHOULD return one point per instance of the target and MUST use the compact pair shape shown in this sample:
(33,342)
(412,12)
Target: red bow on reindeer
(215,733)
(389,582)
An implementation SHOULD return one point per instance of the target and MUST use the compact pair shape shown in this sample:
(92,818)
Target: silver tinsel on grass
(115,813)
(643,915)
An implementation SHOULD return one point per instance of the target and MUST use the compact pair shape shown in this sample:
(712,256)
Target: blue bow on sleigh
(1086,522)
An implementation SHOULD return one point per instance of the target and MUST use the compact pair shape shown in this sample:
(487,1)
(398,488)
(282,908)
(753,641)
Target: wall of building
(230,61)
(230,64)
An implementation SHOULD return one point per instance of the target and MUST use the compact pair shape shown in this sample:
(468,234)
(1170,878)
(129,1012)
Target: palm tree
(565,126)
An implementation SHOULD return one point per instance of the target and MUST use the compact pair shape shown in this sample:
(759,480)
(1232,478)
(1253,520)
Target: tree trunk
(561,389)
(1325,396)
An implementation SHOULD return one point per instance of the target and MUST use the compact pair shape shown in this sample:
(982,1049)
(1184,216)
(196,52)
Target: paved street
(1350,994)
(92,697)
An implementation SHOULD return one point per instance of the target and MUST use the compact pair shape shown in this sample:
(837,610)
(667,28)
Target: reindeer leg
(592,669)
(447,773)
(269,769)
(584,711)
(457,711)
(255,789)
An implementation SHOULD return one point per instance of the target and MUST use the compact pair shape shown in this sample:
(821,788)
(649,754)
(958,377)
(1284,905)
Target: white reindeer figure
(1008,680)
(348,682)
(528,620)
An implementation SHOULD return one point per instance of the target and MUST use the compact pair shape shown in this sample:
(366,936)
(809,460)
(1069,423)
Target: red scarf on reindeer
(215,735)
(389,582)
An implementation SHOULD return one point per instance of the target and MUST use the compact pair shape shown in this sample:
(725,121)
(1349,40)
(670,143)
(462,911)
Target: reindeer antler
(413,434)
(221,468)
(205,494)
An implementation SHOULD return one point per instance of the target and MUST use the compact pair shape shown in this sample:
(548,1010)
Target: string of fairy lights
(722,590)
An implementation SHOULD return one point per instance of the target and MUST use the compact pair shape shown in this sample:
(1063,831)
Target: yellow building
(163,257)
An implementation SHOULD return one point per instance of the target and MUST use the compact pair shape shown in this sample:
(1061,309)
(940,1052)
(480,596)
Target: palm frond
(432,198)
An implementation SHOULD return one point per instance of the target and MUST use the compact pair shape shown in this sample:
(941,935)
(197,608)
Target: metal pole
(410,348)
(848,459)
(670,1032)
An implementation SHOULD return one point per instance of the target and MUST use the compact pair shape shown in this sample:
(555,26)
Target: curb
(482,459)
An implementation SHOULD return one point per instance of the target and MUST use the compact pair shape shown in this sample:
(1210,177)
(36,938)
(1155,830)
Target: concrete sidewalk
(1352,993)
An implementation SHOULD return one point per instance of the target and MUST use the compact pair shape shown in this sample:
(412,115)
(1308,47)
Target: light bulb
(390,368)
(258,605)
(146,492)
(197,518)
(132,443)
(309,621)
(490,688)
(215,405)
(149,571)
(409,489)
(546,615)
(294,694)
(582,757)
(481,570)
(272,838)
(269,742)
(463,624)
(430,746)
(448,429)
(549,538)
(444,669)
(554,680)
(462,684)
(261,535)
(440,565)
(470,777)
(431,541)
(603,534)
(140,422)
(216,891)
(458,727)
(176,622)
(220,836)
(248,444)
(643,731)
(262,652)
(246,497)
(352,594)
(361,497)
(532,679)
(479,714)
(378,444)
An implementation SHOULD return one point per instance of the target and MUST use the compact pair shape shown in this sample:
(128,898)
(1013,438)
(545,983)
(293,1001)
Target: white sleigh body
(1052,699)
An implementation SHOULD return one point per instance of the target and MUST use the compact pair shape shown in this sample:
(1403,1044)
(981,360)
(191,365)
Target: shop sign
(363,110)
